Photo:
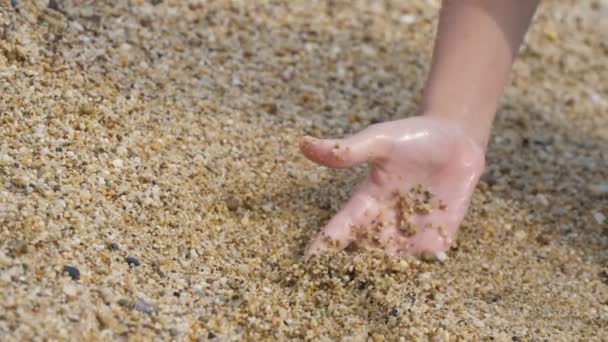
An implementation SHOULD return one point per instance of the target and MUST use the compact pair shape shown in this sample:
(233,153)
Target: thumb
(342,153)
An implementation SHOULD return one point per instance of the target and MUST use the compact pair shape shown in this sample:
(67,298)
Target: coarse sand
(151,186)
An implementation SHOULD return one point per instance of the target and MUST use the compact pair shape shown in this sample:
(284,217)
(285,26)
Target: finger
(338,232)
(342,153)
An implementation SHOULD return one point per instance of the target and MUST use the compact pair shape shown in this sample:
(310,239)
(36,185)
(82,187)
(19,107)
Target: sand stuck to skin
(151,186)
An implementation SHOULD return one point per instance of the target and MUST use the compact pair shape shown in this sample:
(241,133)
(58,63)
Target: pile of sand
(150,182)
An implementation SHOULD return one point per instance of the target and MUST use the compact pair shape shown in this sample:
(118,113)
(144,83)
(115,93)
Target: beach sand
(151,186)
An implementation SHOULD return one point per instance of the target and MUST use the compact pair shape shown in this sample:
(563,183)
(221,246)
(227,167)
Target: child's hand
(420,153)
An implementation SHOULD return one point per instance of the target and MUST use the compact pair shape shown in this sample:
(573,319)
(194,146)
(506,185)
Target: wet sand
(152,148)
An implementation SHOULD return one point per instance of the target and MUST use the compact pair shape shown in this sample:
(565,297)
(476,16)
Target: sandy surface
(166,132)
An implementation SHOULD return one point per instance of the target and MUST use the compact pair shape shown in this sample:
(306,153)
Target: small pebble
(520,235)
(72,271)
(123,302)
(21,181)
(143,306)
(132,261)
(598,189)
(211,335)
(14,3)
(106,294)
(599,217)
(441,256)
(70,290)
(542,199)
(425,276)
(54,5)
(233,203)
(407,19)
(4,260)
(117,163)
(113,246)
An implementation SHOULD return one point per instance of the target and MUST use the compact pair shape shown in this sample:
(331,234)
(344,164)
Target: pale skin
(442,149)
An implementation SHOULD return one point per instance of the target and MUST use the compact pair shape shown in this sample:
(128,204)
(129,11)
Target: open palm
(423,171)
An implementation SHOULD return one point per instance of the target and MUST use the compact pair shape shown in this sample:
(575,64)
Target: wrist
(476,124)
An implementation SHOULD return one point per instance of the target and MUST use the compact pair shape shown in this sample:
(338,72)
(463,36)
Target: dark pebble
(132,261)
(124,302)
(54,5)
(233,203)
(113,246)
(58,149)
(604,276)
(543,239)
(211,335)
(72,271)
(515,339)
(394,312)
(14,3)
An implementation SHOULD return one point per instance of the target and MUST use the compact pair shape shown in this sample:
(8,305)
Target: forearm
(476,44)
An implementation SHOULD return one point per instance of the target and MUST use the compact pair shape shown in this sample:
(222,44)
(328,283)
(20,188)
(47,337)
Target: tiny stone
(428,256)
(211,335)
(425,276)
(270,108)
(123,302)
(113,246)
(54,5)
(233,203)
(4,260)
(21,181)
(106,294)
(599,217)
(267,207)
(407,19)
(598,189)
(20,247)
(542,239)
(520,235)
(542,199)
(70,290)
(72,271)
(143,306)
(117,163)
(132,261)
(441,256)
